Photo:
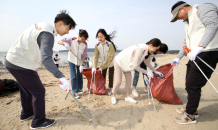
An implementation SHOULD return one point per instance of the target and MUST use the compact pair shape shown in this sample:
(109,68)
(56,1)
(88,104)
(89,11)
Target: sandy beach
(123,115)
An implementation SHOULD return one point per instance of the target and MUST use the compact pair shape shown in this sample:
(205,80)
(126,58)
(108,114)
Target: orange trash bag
(98,85)
(163,88)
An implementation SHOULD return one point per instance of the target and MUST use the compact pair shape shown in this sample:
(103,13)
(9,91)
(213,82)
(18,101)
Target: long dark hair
(109,37)
(155,42)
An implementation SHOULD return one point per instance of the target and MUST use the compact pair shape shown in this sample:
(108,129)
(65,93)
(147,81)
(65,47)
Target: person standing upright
(201,27)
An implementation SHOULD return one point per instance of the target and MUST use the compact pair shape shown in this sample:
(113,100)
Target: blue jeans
(76,78)
(136,78)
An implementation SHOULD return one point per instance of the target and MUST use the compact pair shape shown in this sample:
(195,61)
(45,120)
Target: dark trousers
(111,76)
(32,95)
(195,80)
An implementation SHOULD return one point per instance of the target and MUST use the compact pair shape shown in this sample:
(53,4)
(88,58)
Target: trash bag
(98,86)
(10,85)
(162,88)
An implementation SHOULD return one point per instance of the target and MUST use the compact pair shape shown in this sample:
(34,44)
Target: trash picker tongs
(83,64)
(187,50)
(86,111)
(149,91)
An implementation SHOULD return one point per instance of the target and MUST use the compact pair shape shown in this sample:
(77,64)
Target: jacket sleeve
(95,57)
(67,40)
(110,57)
(46,40)
(148,64)
(85,54)
(208,15)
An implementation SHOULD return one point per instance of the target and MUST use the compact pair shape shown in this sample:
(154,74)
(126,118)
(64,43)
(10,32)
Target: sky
(136,21)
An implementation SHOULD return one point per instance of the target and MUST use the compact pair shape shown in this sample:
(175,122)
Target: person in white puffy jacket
(130,59)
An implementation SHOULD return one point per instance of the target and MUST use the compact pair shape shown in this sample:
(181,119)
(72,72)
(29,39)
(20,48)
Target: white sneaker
(145,90)
(113,100)
(129,99)
(135,93)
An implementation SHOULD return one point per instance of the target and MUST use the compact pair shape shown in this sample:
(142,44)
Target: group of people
(26,56)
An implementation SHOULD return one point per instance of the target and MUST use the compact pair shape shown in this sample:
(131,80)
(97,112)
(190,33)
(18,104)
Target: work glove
(155,64)
(100,69)
(176,60)
(67,46)
(64,84)
(93,70)
(159,73)
(192,55)
(80,69)
(150,74)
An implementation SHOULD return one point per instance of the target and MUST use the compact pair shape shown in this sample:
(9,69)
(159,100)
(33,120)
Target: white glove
(192,55)
(150,74)
(64,84)
(159,73)
(81,69)
(67,46)
(145,78)
(155,64)
(93,70)
(176,60)
(100,69)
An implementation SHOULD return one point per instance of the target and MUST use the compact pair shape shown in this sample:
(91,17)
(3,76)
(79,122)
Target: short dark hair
(177,4)
(65,18)
(163,48)
(56,54)
(83,33)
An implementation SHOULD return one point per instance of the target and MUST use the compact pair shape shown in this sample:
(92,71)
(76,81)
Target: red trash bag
(162,88)
(98,86)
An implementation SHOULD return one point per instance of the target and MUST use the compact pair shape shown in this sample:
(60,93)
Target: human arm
(95,57)
(209,18)
(46,41)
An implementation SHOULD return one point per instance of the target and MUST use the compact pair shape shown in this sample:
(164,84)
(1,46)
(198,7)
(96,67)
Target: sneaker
(46,124)
(135,93)
(81,91)
(184,119)
(146,90)
(26,118)
(129,99)
(113,100)
(182,110)
(76,95)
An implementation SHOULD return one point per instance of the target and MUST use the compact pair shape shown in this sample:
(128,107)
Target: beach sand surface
(123,115)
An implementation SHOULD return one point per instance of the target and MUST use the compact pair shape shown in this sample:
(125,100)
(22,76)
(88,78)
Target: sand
(123,115)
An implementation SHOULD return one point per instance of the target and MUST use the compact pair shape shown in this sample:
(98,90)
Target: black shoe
(26,118)
(76,95)
(81,91)
(47,123)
